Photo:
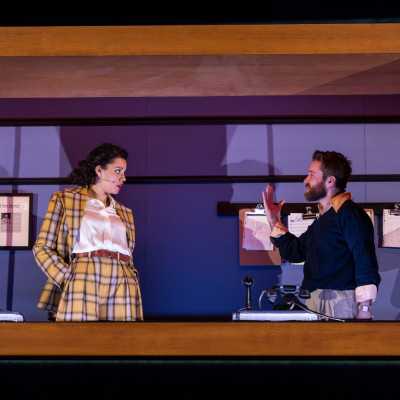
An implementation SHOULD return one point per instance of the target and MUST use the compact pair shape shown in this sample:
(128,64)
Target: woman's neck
(98,193)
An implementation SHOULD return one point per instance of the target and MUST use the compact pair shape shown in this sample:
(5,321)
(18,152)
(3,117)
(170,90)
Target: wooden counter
(204,339)
(357,38)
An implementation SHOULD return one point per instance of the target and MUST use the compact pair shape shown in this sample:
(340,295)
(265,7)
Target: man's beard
(316,193)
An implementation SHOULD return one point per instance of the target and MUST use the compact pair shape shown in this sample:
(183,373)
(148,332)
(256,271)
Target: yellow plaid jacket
(57,237)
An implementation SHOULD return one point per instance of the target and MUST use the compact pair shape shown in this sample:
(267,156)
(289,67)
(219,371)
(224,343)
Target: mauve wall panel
(4,260)
(294,145)
(382,148)
(315,106)
(188,256)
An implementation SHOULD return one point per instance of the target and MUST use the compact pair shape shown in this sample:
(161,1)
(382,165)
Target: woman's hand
(272,210)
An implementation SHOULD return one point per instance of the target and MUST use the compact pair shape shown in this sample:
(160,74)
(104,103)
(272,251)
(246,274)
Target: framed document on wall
(15,221)
(391,227)
(255,247)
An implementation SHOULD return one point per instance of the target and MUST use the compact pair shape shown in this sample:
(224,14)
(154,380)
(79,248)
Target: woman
(85,245)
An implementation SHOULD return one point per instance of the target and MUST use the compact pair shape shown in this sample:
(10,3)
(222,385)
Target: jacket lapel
(75,204)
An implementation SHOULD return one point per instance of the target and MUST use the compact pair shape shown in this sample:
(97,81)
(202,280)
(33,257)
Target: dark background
(202,13)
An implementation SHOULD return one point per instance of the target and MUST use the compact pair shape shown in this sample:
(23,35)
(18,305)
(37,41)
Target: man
(340,265)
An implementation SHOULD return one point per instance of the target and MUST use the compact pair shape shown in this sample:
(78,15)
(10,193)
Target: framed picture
(391,227)
(251,250)
(15,221)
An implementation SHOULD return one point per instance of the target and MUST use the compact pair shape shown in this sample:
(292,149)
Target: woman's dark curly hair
(85,174)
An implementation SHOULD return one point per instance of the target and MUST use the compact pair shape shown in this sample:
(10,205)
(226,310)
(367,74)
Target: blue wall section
(187,256)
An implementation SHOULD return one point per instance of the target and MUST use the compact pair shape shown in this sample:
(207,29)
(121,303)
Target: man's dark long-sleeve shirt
(338,250)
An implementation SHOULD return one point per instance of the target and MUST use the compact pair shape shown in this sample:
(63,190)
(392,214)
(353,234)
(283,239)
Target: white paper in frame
(15,221)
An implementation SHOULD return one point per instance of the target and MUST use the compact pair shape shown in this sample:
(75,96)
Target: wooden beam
(200,40)
(201,339)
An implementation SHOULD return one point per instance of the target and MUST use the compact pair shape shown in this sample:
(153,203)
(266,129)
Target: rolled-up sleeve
(291,248)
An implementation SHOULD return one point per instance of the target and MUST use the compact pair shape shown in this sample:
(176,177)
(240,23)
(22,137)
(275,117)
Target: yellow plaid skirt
(98,289)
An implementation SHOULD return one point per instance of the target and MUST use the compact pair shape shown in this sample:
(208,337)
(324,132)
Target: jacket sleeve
(292,248)
(358,232)
(133,231)
(45,248)
(49,297)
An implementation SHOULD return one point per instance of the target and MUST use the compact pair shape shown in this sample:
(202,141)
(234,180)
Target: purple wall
(188,256)
(226,107)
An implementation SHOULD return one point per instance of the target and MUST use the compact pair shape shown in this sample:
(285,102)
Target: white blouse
(101,228)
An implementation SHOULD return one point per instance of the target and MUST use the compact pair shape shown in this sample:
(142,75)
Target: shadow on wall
(4,256)
(3,172)
(165,248)
(395,298)
(28,278)
(78,141)
(188,263)
(389,288)
(21,281)
(264,276)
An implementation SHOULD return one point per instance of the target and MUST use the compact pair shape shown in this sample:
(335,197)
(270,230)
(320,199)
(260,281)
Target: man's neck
(325,204)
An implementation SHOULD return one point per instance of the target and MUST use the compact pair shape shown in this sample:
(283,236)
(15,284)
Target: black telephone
(284,297)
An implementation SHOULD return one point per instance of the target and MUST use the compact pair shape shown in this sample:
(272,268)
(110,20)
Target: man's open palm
(272,210)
